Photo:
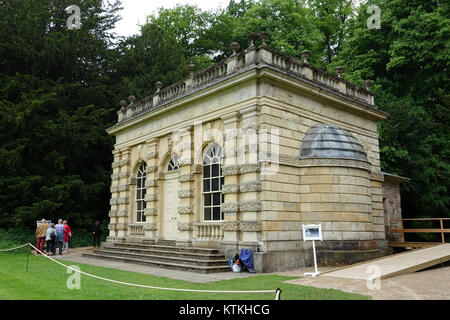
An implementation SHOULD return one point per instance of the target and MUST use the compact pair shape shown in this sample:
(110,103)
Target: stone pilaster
(124,197)
(113,213)
(186,191)
(151,195)
(249,186)
(119,195)
(232,135)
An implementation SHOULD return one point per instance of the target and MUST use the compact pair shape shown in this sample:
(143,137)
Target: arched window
(173,164)
(140,193)
(212,183)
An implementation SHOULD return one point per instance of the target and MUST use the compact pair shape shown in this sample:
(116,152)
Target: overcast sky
(135,11)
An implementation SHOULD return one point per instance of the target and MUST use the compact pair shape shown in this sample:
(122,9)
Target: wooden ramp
(397,264)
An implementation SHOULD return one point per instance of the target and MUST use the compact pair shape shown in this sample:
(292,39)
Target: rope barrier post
(278,294)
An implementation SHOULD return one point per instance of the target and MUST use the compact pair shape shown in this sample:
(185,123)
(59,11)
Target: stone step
(166,248)
(161,264)
(164,258)
(158,251)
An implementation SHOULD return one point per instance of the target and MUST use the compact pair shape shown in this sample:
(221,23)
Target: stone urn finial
(123,103)
(264,35)
(367,83)
(158,85)
(305,55)
(191,69)
(252,37)
(131,99)
(339,70)
(234,46)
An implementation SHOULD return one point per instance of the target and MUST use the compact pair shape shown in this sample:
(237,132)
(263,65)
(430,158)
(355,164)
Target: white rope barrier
(277,291)
(5,250)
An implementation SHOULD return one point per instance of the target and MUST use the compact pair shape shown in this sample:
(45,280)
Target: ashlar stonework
(243,153)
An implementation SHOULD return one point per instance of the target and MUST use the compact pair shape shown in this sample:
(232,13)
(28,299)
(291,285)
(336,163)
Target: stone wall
(392,209)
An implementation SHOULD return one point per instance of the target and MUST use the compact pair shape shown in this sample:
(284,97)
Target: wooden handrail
(441,230)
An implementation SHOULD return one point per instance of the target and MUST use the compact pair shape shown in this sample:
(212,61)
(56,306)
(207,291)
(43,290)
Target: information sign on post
(312,232)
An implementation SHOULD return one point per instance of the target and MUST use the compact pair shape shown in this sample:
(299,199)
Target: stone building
(241,154)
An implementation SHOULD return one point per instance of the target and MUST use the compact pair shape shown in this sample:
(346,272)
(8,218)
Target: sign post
(312,232)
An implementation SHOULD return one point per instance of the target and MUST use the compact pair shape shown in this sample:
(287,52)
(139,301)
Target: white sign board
(49,222)
(312,232)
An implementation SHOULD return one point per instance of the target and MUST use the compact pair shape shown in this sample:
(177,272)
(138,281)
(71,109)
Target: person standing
(40,236)
(96,233)
(50,238)
(59,236)
(67,236)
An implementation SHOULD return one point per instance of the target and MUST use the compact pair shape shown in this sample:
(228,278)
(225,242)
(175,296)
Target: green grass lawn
(47,280)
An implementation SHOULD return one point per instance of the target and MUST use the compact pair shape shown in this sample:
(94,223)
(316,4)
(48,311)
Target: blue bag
(246,257)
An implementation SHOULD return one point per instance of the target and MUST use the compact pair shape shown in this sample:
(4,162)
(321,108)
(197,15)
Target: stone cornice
(270,63)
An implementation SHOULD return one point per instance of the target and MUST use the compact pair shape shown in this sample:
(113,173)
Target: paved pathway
(74,255)
(397,264)
(432,284)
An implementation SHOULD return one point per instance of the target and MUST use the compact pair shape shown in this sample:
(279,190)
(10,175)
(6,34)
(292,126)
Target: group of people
(54,236)
(59,236)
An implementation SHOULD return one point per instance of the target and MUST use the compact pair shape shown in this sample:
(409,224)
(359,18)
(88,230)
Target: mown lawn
(46,280)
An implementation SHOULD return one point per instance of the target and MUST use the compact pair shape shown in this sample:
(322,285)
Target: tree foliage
(59,88)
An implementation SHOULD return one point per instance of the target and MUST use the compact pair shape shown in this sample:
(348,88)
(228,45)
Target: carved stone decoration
(152,169)
(367,83)
(152,155)
(123,103)
(349,163)
(191,69)
(150,226)
(112,226)
(115,164)
(250,206)
(339,71)
(124,174)
(124,187)
(230,170)
(250,167)
(124,162)
(186,177)
(250,186)
(185,227)
(151,183)
(197,168)
(234,46)
(250,226)
(230,207)
(184,161)
(305,56)
(252,37)
(121,226)
(231,134)
(151,197)
(122,213)
(115,176)
(150,212)
(230,226)
(158,85)
(185,193)
(112,213)
(186,210)
(264,35)
(230,188)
